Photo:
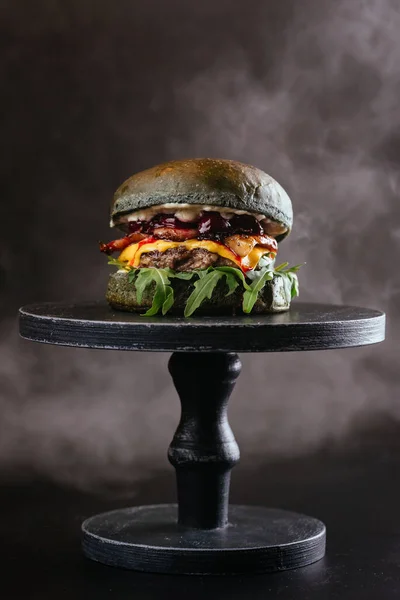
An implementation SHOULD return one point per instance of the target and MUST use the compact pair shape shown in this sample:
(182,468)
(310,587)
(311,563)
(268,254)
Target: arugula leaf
(144,279)
(290,279)
(133,273)
(163,297)
(118,263)
(184,275)
(169,300)
(250,296)
(166,271)
(281,267)
(294,290)
(231,282)
(203,272)
(287,284)
(238,273)
(203,288)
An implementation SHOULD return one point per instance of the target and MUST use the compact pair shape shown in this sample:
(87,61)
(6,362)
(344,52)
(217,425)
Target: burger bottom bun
(121,295)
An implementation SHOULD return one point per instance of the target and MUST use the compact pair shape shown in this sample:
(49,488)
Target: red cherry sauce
(135,226)
(210,225)
(246,224)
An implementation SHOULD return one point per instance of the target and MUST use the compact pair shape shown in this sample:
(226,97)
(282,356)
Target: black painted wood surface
(200,535)
(258,540)
(204,449)
(304,327)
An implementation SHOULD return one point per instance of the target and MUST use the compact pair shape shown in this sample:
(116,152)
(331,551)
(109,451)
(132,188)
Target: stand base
(257,540)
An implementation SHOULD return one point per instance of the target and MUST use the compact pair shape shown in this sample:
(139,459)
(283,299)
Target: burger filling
(237,245)
(238,240)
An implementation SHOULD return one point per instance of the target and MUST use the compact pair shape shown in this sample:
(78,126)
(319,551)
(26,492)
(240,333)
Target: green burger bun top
(205,182)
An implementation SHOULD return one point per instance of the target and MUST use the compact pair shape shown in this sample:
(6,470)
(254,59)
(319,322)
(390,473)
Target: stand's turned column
(203,450)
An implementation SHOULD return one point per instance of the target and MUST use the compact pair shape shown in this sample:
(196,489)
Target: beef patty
(183,259)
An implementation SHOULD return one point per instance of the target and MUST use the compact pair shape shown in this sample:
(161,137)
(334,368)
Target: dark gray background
(93,91)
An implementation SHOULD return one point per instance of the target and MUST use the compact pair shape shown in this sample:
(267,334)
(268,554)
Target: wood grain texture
(304,327)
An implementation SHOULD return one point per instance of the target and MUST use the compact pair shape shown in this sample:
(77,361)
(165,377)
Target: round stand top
(304,327)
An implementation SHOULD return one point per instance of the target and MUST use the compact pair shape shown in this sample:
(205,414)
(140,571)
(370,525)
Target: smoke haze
(307,91)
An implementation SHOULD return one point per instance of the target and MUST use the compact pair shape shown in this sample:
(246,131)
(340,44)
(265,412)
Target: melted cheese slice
(133,253)
(251,260)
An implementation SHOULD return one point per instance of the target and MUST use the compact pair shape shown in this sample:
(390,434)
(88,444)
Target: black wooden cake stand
(197,535)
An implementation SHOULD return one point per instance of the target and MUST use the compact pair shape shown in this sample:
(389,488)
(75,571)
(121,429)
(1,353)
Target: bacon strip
(244,244)
(240,244)
(118,245)
(267,242)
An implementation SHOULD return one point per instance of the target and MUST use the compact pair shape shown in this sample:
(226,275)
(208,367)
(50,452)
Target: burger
(201,235)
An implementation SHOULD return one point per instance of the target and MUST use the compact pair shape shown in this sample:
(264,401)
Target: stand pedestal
(200,535)
(204,449)
(197,536)
(257,540)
